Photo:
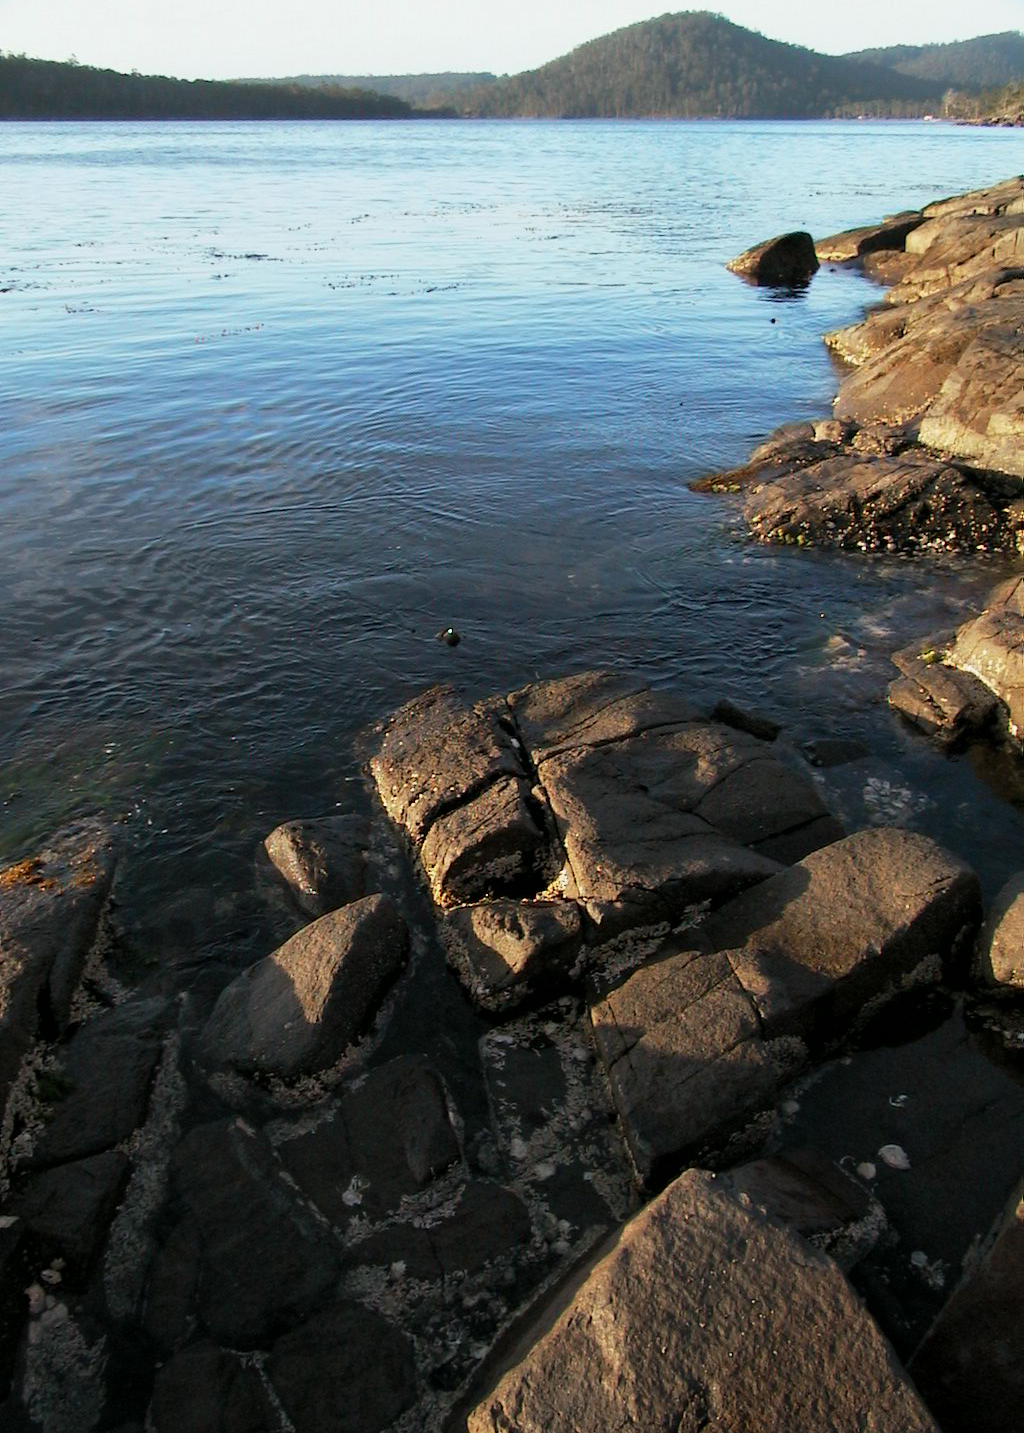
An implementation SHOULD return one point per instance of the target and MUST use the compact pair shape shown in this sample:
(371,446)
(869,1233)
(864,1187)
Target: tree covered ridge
(979,64)
(697,64)
(48,89)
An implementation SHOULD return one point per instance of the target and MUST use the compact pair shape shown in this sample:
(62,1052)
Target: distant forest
(45,89)
(430,91)
(693,65)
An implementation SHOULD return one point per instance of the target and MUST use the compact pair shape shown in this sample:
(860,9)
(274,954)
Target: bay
(278,402)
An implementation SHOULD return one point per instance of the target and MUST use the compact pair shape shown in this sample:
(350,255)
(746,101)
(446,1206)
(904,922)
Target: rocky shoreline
(708,1072)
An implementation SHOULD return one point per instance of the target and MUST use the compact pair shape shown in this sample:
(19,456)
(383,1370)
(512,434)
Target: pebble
(867,1170)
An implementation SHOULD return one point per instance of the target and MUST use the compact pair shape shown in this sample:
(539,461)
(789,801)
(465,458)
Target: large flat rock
(844,926)
(50,905)
(682,1046)
(851,244)
(655,823)
(946,704)
(947,251)
(296,1011)
(704,1313)
(591,709)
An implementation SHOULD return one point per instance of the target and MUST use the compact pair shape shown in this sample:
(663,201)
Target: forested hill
(697,65)
(426,89)
(45,89)
(983,63)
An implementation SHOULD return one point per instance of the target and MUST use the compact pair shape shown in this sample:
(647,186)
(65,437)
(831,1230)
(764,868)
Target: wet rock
(489,1222)
(970,1368)
(906,503)
(846,925)
(784,261)
(264,1263)
(682,1046)
(1001,198)
(947,704)
(979,411)
(657,822)
(387,1138)
(69,1209)
(808,1193)
(773,461)
(206,1390)
(50,905)
(323,862)
(703,1312)
(436,753)
(891,233)
(346,1371)
(492,843)
(105,1075)
(296,1011)
(505,951)
(831,751)
(1001,943)
(991,648)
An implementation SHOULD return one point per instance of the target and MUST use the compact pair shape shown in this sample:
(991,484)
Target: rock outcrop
(927,453)
(296,1011)
(705,1313)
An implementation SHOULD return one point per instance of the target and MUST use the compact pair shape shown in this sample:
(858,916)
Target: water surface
(279,401)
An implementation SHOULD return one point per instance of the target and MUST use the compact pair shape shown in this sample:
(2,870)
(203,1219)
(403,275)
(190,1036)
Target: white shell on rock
(894,1156)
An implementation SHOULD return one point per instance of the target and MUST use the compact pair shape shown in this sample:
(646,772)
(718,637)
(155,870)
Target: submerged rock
(782,262)
(323,862)
(296,1011)
(703,1312)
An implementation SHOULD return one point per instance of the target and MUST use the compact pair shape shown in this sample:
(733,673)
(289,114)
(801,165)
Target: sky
(219,39)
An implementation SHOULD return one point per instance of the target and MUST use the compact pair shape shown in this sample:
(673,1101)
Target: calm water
(277,402)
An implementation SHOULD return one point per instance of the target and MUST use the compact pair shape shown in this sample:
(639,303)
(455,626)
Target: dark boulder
(322,862)
(783,262)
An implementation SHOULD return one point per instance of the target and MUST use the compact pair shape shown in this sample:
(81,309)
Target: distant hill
(698,65)
(46,89)
(979,64)
(428,90)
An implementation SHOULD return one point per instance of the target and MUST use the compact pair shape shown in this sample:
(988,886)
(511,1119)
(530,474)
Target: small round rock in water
(894,1156)
(449,637)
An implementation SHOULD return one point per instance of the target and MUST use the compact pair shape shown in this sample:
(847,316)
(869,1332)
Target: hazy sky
(221,38)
